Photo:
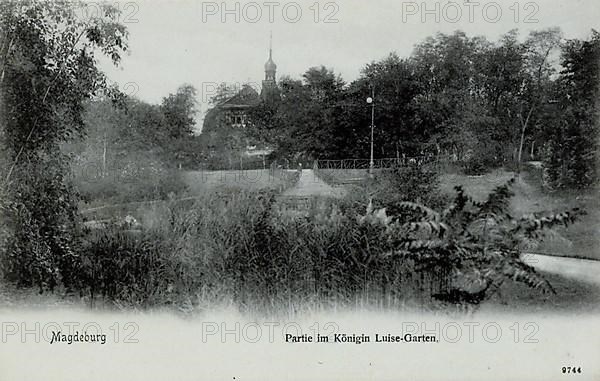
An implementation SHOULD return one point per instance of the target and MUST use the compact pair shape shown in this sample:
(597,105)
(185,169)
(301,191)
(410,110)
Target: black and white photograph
(299,190)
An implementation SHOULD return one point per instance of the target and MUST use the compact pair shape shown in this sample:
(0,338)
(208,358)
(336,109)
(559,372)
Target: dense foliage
(48,70)
(483,103)
(133,150)
(415,183)
(572,150)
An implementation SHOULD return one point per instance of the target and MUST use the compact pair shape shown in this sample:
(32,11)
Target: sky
(205,43)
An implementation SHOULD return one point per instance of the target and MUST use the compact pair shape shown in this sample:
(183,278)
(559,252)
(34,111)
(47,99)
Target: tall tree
(304,121)
(180,110)
(449,103)
(572,133)
(540,46)
(393,83)
(47,71)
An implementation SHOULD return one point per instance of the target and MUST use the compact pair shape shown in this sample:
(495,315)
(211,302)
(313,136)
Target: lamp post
(371,101)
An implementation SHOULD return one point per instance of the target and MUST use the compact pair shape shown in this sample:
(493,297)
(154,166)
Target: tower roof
(270,64)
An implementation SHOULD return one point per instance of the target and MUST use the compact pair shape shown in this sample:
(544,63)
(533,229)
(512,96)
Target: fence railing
(382,163)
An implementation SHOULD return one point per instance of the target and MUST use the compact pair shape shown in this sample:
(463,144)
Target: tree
(571,158)
(540,45)
(48,69)
(102,135)
(446,69)
(395,87)
(304,121)
(501,74)
(179,110)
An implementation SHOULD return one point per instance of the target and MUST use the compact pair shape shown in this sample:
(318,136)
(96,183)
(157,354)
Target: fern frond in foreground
(480,241)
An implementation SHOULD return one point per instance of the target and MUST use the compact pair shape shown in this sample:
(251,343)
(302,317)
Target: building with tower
(226,121)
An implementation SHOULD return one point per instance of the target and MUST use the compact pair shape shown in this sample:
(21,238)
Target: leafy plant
(475,241)
(415,183)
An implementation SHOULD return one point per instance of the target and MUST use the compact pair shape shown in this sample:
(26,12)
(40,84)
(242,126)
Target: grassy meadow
(252,180)
(189,186)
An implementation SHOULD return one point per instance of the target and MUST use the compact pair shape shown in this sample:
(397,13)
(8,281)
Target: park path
(586,270)
(310,184)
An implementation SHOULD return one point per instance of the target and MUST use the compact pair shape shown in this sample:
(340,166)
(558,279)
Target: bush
(484,156)
(571,163)
(42,227)
(474,166)
(414,183)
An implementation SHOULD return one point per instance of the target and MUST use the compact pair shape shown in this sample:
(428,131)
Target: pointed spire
(271,46)
(270,67)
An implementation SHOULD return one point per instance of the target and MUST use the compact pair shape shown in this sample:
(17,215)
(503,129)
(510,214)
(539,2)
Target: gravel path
(310,185)
(581,269)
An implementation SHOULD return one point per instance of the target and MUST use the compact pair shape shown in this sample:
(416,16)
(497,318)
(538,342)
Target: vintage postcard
(299,190)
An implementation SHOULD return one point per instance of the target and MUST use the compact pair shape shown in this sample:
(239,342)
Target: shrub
(479,243)
(414,183)
(571,163)
(42,226)
(474,165)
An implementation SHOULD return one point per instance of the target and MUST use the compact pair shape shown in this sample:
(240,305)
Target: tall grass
(248,249)
(245,248)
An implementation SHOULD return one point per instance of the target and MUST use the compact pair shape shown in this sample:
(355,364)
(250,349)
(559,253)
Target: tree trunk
(523,129)
(104,157)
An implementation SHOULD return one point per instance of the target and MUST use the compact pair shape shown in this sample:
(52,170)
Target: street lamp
(371,101)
